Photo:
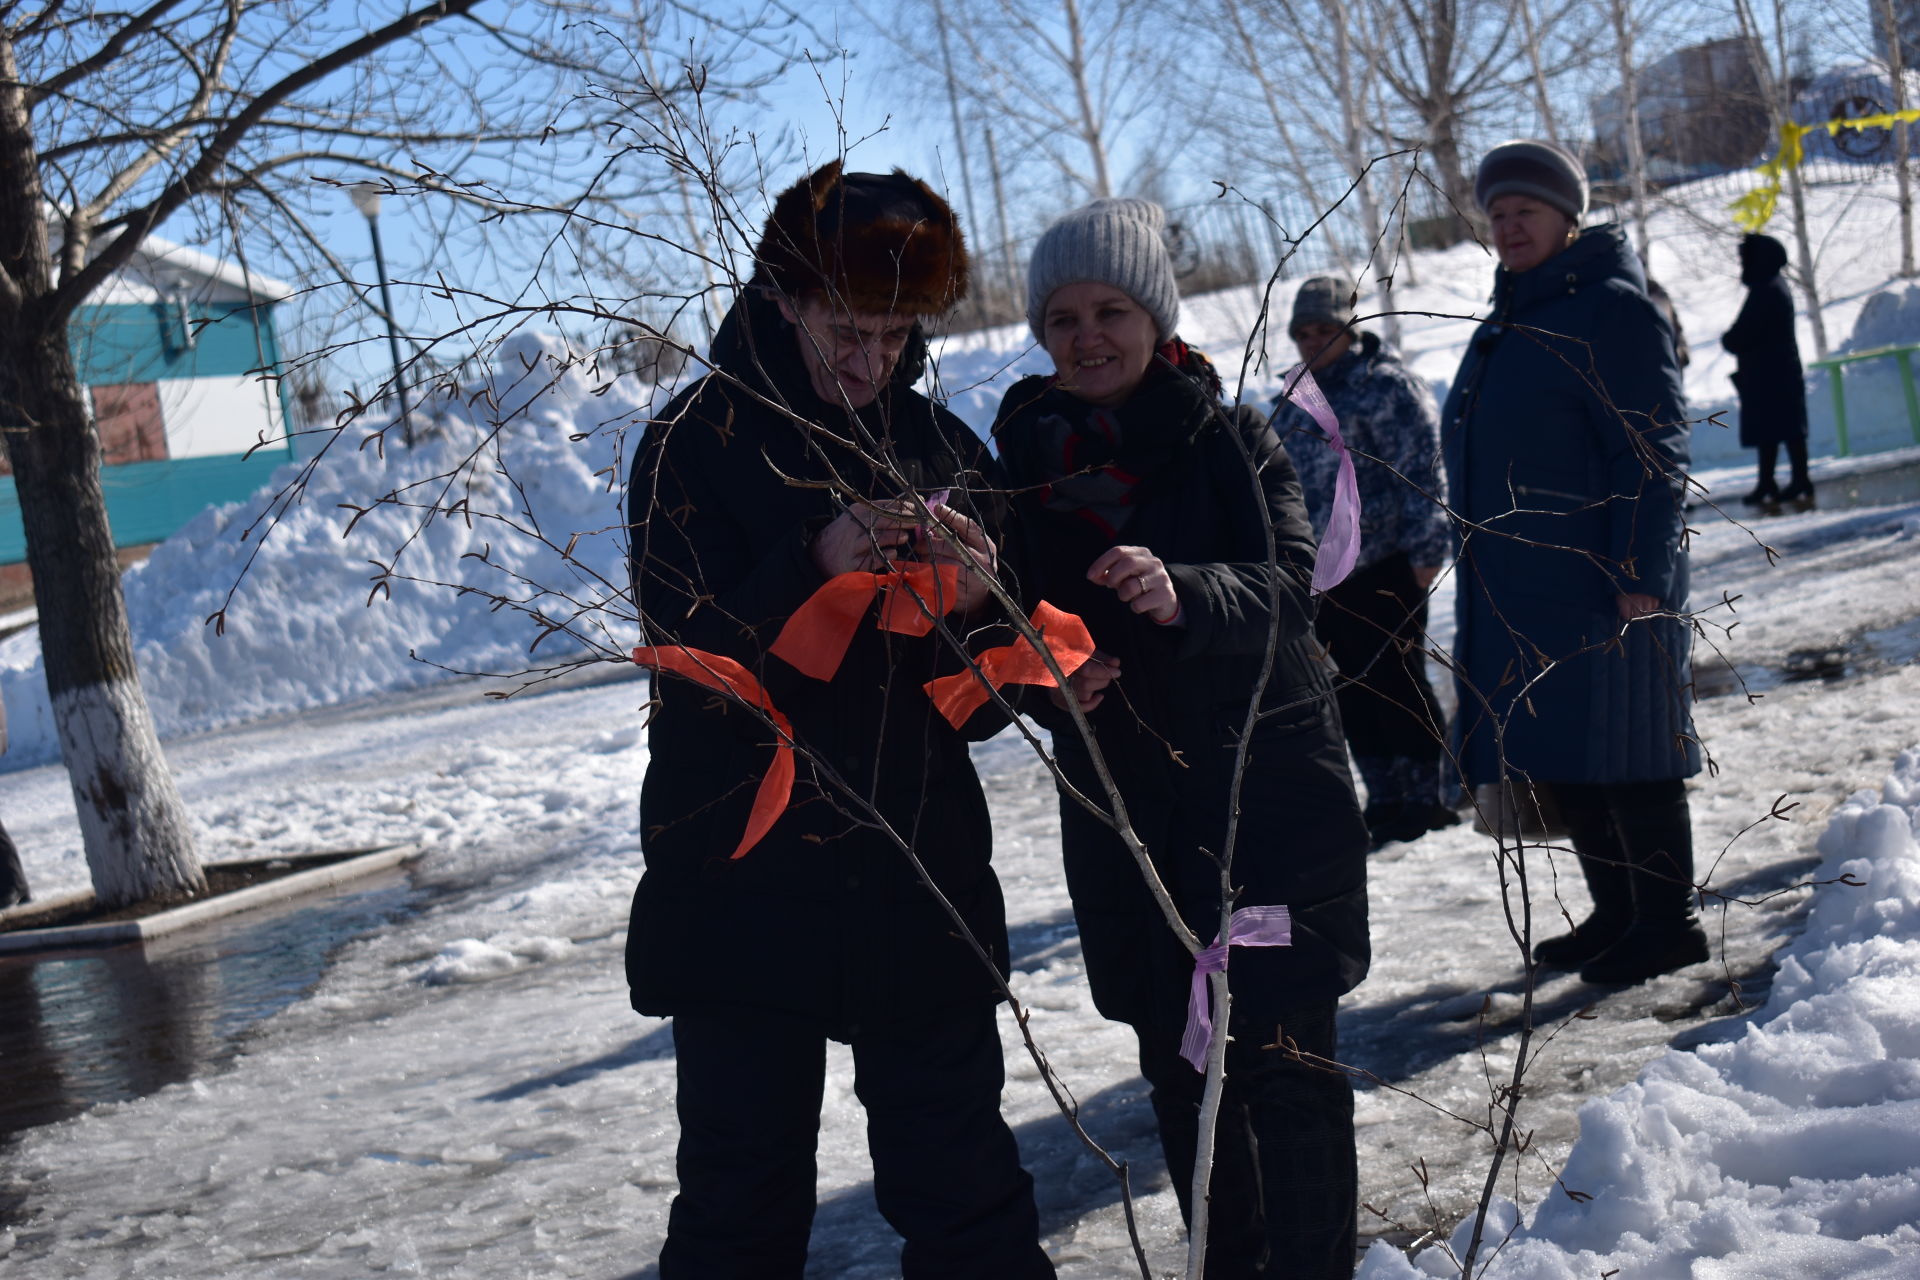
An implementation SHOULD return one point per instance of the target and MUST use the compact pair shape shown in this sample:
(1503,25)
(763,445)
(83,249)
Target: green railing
(1902,355)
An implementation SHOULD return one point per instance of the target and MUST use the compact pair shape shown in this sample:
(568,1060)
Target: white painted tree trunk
(132,821)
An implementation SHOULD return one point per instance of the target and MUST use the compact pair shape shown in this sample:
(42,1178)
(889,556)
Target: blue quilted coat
(1563,438)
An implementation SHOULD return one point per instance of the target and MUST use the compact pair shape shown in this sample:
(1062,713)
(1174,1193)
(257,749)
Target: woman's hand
(861,539)
(1633,605)
(1140,579)
(1088,684)
(956,540)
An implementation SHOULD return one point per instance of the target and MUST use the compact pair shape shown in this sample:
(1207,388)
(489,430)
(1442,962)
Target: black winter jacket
(1564,435)
(1169,726)
(825,916)
(1768,376)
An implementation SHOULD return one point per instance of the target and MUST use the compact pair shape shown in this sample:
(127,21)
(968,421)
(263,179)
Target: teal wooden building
(177,353)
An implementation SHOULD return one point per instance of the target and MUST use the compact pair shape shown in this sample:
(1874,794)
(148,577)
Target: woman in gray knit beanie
(1135,507)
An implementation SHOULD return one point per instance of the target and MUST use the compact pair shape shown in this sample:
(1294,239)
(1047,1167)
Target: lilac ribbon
(1247,927)
(1340,544)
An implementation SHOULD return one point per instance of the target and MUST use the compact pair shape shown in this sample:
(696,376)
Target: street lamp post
(366,198)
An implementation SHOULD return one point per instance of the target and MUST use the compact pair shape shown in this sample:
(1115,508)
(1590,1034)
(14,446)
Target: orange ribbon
(712,671)
(816,637)
(1066,637)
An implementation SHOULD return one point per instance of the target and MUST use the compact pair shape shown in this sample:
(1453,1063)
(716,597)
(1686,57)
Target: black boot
(1655,828)
(1799,491)
(1798,495)
(1590,828)
(1648,949)
(1385,814)
(13,880)
(1765,493)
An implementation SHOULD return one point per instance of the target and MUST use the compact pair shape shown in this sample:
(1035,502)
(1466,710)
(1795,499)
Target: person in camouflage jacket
(1375,622)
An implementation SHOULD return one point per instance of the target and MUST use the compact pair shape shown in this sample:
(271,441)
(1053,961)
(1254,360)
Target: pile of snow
(533,456)
(536,454)
(1794,1150)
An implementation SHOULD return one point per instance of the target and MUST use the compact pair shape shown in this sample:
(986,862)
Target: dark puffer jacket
(1169,727)
(1564,436)
(825,916)
(1768,376)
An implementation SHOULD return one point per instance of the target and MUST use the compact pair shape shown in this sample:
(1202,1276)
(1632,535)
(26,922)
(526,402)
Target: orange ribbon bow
(712,671)
(816,637)
(1066,637)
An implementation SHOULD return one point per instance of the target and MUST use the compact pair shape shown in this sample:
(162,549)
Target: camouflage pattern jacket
(1388,419)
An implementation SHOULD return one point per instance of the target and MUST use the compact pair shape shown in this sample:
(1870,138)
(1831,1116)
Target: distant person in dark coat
(1768,375)
(1564,438)
(1375,622)
(792,464)
(1136,508)
(13,877)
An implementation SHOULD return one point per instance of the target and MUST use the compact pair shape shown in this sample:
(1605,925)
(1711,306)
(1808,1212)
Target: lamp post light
(366,198)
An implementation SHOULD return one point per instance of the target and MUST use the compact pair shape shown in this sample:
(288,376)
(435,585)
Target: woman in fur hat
(1175,528)
(792,463)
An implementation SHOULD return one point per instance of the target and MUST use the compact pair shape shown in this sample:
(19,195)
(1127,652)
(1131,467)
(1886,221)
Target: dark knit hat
(1763,254)
(1526,167)
(1324,300)
(873,241)
(1115,241)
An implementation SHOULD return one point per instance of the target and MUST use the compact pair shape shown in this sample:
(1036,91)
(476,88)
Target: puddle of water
(1897,646)
(82,1028)
(1864,654)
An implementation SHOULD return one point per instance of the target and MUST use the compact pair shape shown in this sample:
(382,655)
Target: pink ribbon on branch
(1340,544)
(1247,927)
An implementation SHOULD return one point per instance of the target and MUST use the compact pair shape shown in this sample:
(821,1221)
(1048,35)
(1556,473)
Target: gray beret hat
(1115,241)
(1527,167)
(1323,300)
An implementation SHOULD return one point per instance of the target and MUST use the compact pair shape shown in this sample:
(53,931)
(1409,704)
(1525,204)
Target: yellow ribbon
(1752,211)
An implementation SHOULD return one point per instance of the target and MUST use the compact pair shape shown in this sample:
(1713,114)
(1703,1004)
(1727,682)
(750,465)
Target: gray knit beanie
(1323,300)
(1115,241)
(1526,167)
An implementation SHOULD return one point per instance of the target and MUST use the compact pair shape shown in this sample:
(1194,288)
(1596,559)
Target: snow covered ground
(460,1089)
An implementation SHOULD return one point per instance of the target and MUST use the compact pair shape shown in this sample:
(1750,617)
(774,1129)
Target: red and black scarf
(1099,463)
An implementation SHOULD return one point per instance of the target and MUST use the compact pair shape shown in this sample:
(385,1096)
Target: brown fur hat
(872,241)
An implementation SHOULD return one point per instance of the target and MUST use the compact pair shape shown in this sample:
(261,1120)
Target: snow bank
(531,452)
(301,633)
(1794,1150)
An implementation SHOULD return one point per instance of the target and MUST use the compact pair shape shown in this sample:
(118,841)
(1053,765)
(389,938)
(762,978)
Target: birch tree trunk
(1778,92)
(1902,170)
(1630,102)
(133,825)
(1542,102)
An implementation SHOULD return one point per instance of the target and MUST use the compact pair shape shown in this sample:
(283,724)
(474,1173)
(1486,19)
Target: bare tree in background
(1776,87)
(1443,60)
(1902,131)
(1625,29)
(113,122)
(1335,60)
(1063,82)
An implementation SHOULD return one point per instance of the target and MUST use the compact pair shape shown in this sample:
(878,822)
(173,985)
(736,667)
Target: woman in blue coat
(1564,438)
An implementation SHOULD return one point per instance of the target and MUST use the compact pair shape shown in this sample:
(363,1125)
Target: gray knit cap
(1323,300)
(1115,241)
(1527,167)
